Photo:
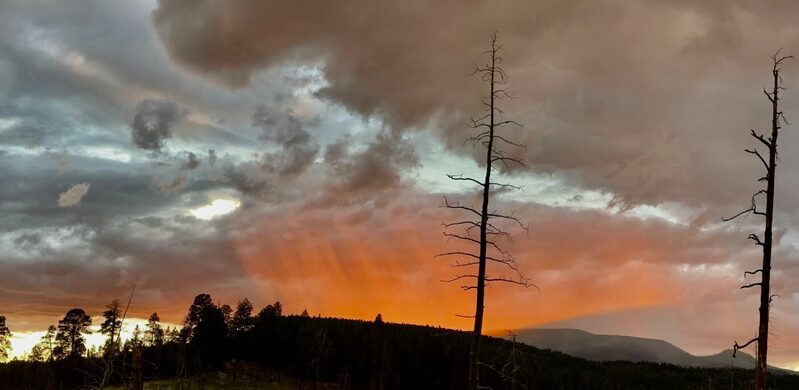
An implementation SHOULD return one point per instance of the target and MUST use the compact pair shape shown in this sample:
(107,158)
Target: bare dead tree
(489,224)
(770,167)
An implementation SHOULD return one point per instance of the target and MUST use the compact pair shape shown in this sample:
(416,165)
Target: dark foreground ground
(288,352)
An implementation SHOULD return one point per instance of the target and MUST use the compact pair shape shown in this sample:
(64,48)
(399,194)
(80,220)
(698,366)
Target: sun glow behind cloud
(217,208)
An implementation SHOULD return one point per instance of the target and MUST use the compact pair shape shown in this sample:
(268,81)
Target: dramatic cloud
(73,195)
(282,129)
(576,68)
(154,121)
(376,168)
(330,126)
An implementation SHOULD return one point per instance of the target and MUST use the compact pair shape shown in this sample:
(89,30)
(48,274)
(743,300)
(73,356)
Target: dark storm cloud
(622,98)
(154,121)
(369,171)
(297,150)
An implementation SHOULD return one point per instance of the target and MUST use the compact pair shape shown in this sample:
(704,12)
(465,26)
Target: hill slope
(598,347)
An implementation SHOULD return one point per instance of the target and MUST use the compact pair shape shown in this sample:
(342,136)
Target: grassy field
(196,384)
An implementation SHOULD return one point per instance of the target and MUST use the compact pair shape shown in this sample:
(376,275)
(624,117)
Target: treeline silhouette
(217,344)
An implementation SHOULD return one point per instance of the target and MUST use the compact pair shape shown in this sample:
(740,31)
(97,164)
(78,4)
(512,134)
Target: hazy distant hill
(598,347)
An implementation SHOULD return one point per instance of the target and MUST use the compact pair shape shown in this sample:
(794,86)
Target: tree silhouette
(208,335)
(136,340)
(114,320)
(271,311)
(38,353)
(5,342)
(44,349)
(172,335)
(770,167)
(488,222)
(111,326)
(155,333)
(242,318)
(48,343)
(227,313)
(201,301)
(71,330)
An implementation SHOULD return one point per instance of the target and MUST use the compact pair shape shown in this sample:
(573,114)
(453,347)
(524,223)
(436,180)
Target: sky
(298,152)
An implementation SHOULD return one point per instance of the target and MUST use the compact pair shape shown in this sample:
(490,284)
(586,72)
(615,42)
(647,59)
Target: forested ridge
(221,346)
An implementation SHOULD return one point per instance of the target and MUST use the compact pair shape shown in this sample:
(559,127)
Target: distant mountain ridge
(599,347)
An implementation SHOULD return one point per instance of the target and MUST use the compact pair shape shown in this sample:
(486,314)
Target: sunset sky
(297,151)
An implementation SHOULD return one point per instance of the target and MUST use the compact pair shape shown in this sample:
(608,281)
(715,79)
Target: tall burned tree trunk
(474,353)
(770,166)
(489,233)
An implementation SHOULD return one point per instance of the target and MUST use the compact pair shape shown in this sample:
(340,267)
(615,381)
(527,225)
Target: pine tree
(5,339)
(155,333)
(111,326)
(71,330)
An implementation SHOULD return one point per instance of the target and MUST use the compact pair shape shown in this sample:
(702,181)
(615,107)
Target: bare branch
(508,217)
(509,142)
(778,60)
(521,282)
(460,237)
(505,161)
(768,95)
(736,347)
(464,178)
(761,139)
(502,185)
(457,253)
(471,223)
(479,137)
(751,285)
(459,277)
(756,239)
(751,209)
(752,272)
(458,264)
(459,207)
(737,215)
(784,119)
(472,255)
(756,153)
